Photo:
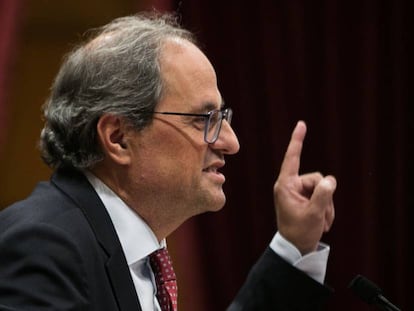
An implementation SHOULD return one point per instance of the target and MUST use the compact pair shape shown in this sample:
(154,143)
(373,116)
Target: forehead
(190,81)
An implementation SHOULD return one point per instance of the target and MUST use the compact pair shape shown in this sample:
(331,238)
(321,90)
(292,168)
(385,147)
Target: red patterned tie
(165,278)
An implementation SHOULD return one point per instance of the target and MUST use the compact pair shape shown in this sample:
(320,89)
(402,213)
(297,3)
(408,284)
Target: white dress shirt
(313,264)
(138,241)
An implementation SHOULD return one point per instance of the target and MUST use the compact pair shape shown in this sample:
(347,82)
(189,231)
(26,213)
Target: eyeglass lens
(214,124)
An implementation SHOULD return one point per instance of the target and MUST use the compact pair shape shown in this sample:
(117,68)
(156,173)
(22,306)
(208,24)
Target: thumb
(322,195)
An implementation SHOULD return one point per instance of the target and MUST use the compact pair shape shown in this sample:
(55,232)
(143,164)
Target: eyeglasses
(213,121)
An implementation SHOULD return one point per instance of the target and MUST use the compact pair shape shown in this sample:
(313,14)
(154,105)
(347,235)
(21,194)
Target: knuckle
(318,175)
(278,186)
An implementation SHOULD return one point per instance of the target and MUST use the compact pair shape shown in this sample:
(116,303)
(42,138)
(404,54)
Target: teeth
(211,169)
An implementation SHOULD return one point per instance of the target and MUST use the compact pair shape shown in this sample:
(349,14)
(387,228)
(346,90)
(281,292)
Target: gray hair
(116,71)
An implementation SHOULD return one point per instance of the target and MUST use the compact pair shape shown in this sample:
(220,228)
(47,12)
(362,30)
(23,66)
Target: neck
(158,215)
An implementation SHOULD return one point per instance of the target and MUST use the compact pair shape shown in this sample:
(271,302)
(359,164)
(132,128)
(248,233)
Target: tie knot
(161,265)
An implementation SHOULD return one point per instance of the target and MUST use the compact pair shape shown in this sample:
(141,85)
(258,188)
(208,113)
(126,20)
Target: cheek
(184,161)
(169,151)
(175,159)
(183,151)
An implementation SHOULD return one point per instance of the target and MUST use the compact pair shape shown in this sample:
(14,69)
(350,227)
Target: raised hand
(304,203)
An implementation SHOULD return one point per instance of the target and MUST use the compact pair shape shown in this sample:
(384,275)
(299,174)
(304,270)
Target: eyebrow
(208,106)
(204,109)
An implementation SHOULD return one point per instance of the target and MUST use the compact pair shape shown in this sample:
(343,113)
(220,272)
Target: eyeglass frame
(226,113)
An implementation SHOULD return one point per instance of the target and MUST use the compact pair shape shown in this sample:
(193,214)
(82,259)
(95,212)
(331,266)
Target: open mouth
(211,169)
(214,167)
(214,173)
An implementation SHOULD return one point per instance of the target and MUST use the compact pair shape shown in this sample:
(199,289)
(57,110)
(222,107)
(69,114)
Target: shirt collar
(136,237)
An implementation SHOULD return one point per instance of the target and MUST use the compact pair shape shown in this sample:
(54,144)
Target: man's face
(173,166)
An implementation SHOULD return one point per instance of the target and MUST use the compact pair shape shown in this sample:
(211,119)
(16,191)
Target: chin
(211,200)
(217,202)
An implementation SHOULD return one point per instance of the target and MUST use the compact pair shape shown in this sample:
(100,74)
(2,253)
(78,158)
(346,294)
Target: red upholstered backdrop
(345,67)
(9,20)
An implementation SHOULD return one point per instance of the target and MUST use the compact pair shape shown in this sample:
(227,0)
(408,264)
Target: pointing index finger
(291,162)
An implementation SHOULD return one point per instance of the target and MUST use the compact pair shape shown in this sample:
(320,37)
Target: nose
(227,140)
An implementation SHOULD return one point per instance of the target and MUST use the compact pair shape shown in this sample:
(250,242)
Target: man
(137,133)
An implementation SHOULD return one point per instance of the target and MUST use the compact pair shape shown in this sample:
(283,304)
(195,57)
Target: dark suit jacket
(59,251)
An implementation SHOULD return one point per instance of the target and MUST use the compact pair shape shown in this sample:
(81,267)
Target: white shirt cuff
(313,264)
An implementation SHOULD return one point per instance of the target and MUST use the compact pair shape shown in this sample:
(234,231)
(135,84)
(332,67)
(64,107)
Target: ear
(112,131)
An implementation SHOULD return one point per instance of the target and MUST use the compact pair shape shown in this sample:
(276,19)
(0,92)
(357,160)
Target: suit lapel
(127,300)
(76,186)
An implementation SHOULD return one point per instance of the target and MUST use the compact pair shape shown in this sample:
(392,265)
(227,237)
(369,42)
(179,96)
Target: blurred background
(345,67)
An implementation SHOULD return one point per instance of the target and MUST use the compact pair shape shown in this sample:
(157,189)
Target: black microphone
(371,293)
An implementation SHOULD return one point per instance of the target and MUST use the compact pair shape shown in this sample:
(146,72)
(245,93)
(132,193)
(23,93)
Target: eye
(214,118)
(200,119)
(199,122)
